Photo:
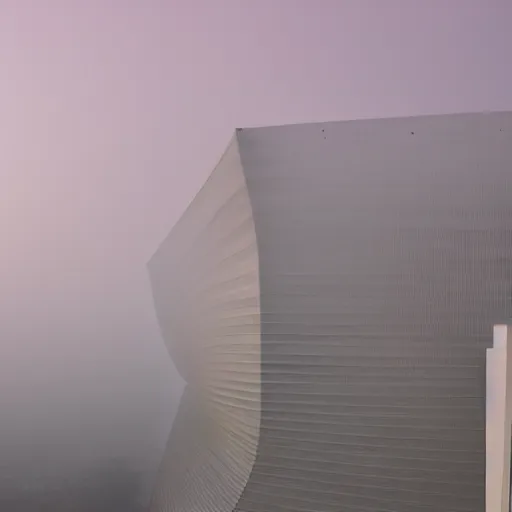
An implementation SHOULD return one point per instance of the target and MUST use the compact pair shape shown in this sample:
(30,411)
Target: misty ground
(115,487)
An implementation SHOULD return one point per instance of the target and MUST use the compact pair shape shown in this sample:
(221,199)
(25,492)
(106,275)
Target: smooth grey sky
(112,114)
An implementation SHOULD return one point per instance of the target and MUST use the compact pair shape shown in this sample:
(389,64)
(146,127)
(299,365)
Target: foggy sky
(112,114)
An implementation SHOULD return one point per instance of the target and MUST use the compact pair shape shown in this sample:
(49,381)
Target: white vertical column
(498,421)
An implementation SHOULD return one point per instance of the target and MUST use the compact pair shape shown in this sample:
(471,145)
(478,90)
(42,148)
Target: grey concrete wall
(386,257)
(205,281)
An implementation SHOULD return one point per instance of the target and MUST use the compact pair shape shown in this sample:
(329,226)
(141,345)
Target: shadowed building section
(384,251)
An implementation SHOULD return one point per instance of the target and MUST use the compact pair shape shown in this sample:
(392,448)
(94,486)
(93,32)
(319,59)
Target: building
(329,297)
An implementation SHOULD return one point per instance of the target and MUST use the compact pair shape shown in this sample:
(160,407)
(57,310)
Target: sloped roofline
(383,118)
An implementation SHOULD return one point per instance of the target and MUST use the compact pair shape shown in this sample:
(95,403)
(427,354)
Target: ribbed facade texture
(205,280)
(339,365)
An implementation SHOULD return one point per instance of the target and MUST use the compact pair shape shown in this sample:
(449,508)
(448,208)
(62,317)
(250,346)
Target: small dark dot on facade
(412,133)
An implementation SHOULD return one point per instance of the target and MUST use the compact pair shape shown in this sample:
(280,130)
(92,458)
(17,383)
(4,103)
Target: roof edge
(384,118)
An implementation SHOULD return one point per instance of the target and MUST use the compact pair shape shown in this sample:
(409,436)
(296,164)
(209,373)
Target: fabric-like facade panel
(329,297)
(205,281)
(386,257)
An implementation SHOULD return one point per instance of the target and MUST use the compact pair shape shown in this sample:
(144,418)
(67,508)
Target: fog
(112,114)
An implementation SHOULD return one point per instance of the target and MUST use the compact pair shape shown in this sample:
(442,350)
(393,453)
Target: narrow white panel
(498,421)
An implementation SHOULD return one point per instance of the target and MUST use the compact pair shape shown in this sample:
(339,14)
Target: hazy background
(112,113)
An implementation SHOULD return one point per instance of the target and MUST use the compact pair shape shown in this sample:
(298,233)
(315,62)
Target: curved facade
(339,364)
(205,281)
